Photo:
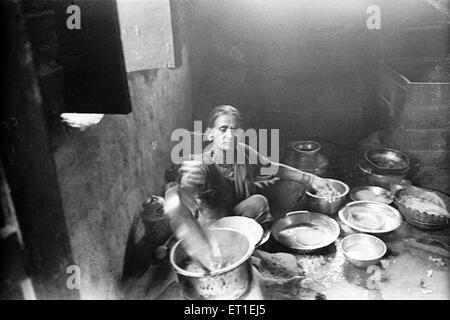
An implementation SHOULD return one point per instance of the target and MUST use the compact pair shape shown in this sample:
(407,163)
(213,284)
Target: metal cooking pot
(320,204)
(388,182)
(387,161)
(227,283)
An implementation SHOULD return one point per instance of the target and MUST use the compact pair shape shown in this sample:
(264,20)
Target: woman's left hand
(325,188)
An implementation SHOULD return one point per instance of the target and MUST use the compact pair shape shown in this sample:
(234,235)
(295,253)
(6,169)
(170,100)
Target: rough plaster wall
(307,67)
(108,170)
(282,65)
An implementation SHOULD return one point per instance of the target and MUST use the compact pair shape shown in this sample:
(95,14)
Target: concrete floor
(406,271)
(416,265)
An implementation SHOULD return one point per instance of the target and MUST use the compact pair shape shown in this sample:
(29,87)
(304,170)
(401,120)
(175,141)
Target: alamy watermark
(74,279)
(374,20)
(371,282)
(189,147)
(73,21)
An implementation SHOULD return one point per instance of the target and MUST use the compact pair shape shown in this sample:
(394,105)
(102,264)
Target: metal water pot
(306,156)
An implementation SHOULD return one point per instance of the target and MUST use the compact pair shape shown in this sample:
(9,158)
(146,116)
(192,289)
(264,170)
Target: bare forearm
(289,173)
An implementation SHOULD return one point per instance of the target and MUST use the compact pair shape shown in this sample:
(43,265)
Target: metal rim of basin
(359,235)
(343,194)
(244,258)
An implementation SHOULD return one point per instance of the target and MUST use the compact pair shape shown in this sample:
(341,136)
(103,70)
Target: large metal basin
(227,283)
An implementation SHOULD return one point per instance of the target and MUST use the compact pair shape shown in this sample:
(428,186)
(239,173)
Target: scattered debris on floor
(385,264)
(438,261)
(422,283)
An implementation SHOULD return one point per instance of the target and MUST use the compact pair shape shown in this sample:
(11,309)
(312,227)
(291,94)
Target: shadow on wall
(149,230)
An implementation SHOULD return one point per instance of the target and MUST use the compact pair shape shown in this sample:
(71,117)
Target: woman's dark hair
(221,110)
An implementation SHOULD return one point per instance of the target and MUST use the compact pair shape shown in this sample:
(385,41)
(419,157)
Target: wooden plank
(146,33)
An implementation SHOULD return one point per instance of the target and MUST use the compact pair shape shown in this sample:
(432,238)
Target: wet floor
(416,266)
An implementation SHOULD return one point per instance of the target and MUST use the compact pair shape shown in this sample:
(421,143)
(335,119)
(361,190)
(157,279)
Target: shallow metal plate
(246,225)
(375,190)
(386,217)
(308,223)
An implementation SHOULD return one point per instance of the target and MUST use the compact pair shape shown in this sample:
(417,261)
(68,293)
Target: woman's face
(223,132)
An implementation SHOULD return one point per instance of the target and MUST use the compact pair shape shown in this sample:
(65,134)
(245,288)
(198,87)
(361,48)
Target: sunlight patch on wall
(81,120)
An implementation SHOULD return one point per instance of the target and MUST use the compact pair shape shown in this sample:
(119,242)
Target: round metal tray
(391,217)
(374,190)
(253,229)
(316,221)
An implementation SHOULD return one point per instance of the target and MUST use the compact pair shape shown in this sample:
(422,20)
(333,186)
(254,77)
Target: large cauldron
(227,283)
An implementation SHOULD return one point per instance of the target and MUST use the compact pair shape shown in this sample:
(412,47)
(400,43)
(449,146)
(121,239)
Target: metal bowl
(324,229)
(387,161)
(384,218)
(363,250)
(418,218)
(386,196)
(245,225)
(320,204)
